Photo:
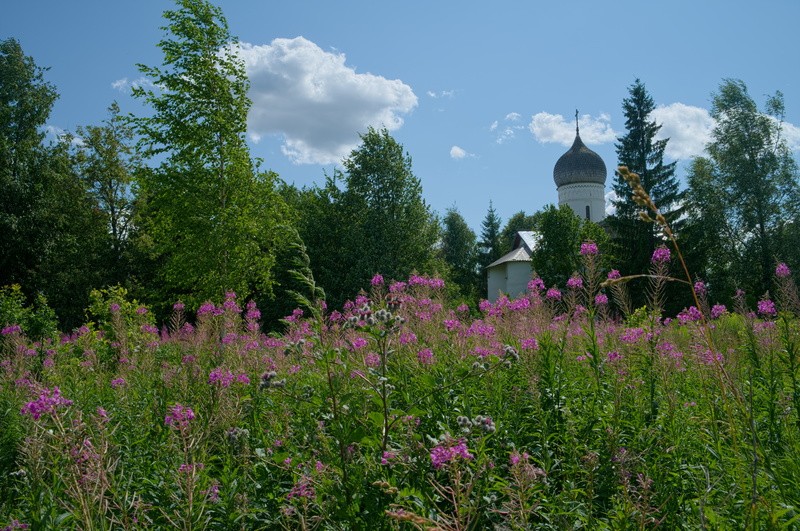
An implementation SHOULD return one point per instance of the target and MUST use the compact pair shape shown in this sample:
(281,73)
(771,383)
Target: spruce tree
(490,245)
(639,150)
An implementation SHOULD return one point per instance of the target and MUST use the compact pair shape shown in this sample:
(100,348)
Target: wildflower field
(561,409)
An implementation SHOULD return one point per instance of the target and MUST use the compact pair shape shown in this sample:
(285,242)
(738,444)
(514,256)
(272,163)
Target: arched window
(587,212)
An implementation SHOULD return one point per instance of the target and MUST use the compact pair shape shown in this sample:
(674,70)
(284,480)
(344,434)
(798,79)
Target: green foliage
(744,198)
(560,234)
(52,238)
(460,252)
(107,162)
(376,222)
(516,223)
(490,244)
(635,239)
(209,211)
(37,320)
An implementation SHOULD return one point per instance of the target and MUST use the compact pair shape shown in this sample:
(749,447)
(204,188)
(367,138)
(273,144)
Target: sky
(482,95)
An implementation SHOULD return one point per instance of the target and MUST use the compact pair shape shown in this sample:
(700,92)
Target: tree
(50,234)
(490,246)
(560,234)
(107,161)
(638,149)
(747,186)
(210,212)
(375,222)
(460,252)
(516,223)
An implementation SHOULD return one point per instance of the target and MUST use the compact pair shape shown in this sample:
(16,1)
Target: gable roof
(524,244)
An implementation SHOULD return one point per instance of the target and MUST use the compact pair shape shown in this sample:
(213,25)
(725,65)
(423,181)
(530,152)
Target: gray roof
(579,165)
(524,243)
(517,255)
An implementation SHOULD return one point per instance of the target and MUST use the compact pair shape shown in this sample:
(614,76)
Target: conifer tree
(643,154)
(490,247)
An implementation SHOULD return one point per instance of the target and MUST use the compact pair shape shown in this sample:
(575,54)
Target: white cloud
(124,85)
(688,129)
(509,130)
(791,133)
(458,153)
(441,94)
(610,196)
(315,101)
(554,128)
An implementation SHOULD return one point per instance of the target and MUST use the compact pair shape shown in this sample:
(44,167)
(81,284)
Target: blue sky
(481,94)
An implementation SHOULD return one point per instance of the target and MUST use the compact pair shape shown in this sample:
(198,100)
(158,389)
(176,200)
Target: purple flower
(689,315)
(575,282)
(614,274)
(114,308)
(425,356)
(178,306)
(530,344)
(117,382)
(554,293)
(661,255)
(179,416)
(766,307)
(377,280)
(47,403)
(700,287)
(253,313)
(782,271)
(7,331)
(443,454)
(717,310)
(536,284)
(589,249)
(141,310)
(372,360)
(601,299)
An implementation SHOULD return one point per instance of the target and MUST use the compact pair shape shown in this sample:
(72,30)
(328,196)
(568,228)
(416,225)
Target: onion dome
(579,165)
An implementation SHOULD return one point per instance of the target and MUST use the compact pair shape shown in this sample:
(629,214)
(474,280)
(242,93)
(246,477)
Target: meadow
(560,409)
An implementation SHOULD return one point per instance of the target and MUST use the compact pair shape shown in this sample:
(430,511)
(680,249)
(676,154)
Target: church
(580,177)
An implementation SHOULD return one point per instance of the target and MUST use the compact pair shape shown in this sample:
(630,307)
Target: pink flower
(614,274)
(536,284)
(717,310)
(589,249)
(554,294)
(443,454)
(117,382)
(530,344)
(425,356)
(179,416)
(766,307)
(47,403)
(377,280)
(782,271)
(601,299)
(114,308)
(372,360)
(575,282)
(661,255)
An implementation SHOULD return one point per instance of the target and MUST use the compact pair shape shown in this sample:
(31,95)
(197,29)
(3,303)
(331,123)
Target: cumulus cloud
(611,196)
(317,102)
(513,116)
(457,153)
(688,129)
(554,128)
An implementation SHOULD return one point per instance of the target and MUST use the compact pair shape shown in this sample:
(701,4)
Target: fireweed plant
(561,408)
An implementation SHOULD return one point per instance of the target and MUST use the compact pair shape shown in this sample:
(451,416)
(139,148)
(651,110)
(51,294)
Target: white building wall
(582,195)
(496,282)
(510,278)
(519,273)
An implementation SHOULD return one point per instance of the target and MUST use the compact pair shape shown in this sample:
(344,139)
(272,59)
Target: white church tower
(580,176)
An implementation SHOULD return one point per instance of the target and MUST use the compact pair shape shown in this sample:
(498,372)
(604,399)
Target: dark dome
(579,165)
